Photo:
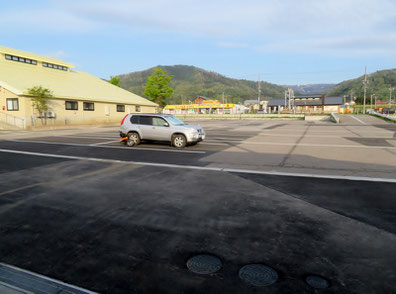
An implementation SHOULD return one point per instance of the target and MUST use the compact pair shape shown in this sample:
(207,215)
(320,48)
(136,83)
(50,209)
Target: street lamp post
(371,100)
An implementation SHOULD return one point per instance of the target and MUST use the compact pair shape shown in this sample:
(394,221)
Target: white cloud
(232,45)
(333,25)
(58,54)
(343,46)
(46,19)
(238,17)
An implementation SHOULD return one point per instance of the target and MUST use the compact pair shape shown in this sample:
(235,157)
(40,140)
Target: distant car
(160,127)
(388,111)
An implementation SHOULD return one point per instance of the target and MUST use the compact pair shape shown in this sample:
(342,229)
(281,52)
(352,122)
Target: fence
(240,116)
(10,121)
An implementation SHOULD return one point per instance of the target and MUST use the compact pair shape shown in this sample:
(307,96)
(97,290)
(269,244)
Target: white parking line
(362,122)
(243,142)
(104,143)
(104,146)
(219,169)
(86,137)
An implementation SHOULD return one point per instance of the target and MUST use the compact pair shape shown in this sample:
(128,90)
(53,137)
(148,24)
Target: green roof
(18,77)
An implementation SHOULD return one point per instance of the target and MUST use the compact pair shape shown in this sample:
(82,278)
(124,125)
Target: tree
(115,81)
(40,99)
(157,87)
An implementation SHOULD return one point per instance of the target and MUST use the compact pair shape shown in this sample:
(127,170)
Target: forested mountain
(189,82)
(310,88)
(378,84)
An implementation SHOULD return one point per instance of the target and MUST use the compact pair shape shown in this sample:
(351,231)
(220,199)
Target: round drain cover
(204,264)
(317,282)
(258,274)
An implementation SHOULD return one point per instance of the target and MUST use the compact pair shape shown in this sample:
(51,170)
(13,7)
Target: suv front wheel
(133,139)
(179,141)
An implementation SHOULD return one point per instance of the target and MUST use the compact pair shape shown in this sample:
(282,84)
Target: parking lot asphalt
(78,207)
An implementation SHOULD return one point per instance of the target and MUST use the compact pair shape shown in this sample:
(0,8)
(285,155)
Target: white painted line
(107,160)
(47,278)
(220,169)
(104,143)
(87,137)
(335,177)
(208,142)
(213,143)
(362,122)
(300,144)
(104,146)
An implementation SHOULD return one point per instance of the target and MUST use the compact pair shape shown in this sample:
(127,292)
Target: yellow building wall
(4,95)
(103,112)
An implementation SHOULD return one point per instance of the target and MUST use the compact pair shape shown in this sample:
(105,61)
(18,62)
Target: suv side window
(146,120)
(158,122)
(135,119)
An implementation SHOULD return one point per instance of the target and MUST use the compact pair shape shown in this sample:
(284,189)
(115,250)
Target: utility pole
(365,83)
(371,100)
(259,91)
(390,97)
(223,97)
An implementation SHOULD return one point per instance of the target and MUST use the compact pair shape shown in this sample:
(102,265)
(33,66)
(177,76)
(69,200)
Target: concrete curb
(384,116)
(334,118)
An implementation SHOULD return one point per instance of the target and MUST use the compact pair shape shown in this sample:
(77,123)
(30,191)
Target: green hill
(379,84)
(190,82)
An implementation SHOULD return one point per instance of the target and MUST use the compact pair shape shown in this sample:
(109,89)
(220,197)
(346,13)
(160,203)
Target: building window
(55,66)
(120,108)
(88,106)
(12,104)
(137,108)
(20,59)
(71,105)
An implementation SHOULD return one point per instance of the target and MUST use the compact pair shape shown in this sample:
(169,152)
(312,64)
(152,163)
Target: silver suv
(160,127)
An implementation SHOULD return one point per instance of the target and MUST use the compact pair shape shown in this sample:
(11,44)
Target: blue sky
(286,41)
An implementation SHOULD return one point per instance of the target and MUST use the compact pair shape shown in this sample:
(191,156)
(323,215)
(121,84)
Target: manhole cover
(258,274)
(317,282)
(204,264)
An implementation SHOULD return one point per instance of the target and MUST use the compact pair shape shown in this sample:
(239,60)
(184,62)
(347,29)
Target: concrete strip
(351,178)
(9,289)
(38,279)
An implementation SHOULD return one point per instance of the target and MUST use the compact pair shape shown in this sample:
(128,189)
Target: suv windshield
(175,121)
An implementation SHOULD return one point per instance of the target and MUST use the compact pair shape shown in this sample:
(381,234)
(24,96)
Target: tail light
(123,119)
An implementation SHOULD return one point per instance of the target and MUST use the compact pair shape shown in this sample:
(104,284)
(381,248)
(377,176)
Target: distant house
(201,100)
(78,97)
(254,105)
(307,103)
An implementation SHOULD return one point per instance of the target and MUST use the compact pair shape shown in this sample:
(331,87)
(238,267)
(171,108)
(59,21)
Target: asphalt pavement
(299,197)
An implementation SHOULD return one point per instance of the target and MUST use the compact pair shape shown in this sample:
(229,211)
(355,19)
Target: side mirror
(166,124)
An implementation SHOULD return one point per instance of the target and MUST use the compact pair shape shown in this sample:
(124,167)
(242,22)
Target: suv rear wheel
(179,141)
(133,139)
